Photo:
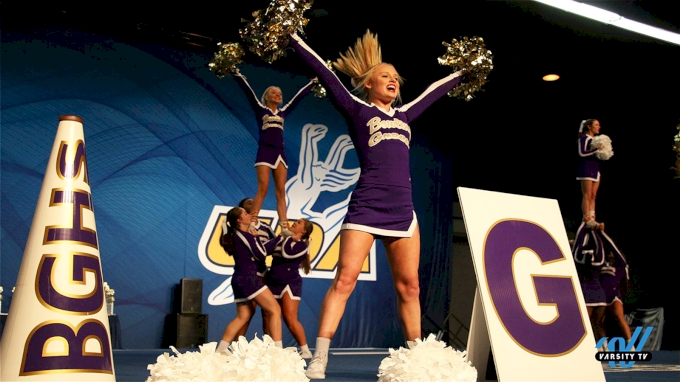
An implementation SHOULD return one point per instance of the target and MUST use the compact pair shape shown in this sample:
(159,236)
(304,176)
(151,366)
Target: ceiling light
(612,18)
(551,77)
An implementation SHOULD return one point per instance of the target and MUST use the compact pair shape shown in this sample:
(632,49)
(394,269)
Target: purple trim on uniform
(284,274)
(617,252)
(271,148)
(252,296)
(288,250)
(382,201)
(264,231)
(593,256)
(249,254)
(261,160)
(288,290)
(612,301)
(589,251)
(593,293)
(264,234)
(610,279)
(255,246)
(384,232)
(589,168)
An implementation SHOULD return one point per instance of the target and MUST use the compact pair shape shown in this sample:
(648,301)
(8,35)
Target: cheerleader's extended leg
(616,308)
(596,314)
(589,190)
(280,178)
(403,256)
(354,249)
(290,316)
(243,315)
(268,303)
(263,173)
(244,328)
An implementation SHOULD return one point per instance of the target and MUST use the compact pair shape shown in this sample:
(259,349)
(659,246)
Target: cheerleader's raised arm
(326,76)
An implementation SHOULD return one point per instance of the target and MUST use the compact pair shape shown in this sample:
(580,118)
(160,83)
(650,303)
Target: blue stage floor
(362,365)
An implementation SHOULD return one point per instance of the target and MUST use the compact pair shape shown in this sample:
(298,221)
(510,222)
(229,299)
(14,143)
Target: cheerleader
(589,170)
(381,205)
(614,277)
(284,279)
(265,233)
(588,252)
(247,251)
(271,156)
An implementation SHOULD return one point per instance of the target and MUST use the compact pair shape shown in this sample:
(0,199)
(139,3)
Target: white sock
(279,344)
(223,345)
(304,348)
(322,345)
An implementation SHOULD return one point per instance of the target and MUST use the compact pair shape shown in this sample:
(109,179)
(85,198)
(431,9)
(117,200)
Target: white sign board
(534,312)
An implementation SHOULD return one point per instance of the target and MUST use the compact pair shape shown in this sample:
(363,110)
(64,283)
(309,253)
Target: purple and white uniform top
(589,251)
(611,275)
(382,201)
(589,168)
(270,150)
(284,274)
(249,253)
(265,233)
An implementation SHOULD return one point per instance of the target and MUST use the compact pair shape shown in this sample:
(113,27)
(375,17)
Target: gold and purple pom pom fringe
(226,58)
(269,33)
(470,56)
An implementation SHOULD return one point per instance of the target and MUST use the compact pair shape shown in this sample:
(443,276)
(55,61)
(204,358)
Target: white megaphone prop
(57,328)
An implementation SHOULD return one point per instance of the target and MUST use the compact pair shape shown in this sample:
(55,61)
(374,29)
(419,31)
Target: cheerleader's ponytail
(228,230)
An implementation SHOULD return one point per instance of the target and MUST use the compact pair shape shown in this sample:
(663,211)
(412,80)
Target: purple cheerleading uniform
(270,151)
(382,201)
(588,252)
(589,168)
(249,252)
(284,275)
(265,233)
(611,276)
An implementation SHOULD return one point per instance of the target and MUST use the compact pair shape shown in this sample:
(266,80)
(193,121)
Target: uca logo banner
(303,190)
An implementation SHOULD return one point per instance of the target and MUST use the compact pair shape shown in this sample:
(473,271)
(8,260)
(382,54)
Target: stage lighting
(612,18)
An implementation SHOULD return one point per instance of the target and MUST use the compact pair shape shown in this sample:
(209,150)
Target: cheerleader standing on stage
(284,279)
(613,275)
(381,205)
(247,251)
(588,252)
(265,233)
(271,156)
(589,170)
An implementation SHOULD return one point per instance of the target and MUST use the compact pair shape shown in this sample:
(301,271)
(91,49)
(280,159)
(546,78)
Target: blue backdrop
(168,144)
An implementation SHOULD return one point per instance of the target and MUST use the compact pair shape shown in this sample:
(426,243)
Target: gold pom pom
(268,34)
(318,90)
(226,58)
(470,56)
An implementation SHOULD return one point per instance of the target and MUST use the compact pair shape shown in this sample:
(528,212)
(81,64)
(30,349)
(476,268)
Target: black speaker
(185,330)
(189,296)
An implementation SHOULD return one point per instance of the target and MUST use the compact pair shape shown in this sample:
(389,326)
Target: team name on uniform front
(375,124)
(271,121)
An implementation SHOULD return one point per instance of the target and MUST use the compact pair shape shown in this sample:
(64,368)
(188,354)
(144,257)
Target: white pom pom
(604,142)
(428,360)
(258,360)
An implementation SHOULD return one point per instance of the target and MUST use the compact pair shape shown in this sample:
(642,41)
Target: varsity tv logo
(622,352)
